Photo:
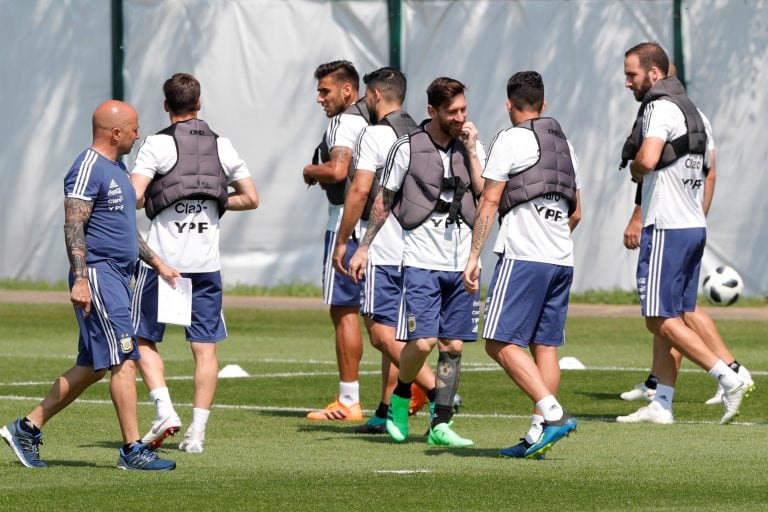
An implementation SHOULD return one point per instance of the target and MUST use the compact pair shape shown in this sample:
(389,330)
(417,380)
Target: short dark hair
(390,82)
(525,90)
(442,90)
(182,93)
(342,71)
(650,54)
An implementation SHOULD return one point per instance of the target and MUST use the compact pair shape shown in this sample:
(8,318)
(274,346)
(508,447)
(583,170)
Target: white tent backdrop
(256,58)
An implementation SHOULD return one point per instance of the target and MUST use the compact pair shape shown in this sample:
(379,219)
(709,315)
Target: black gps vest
(402,124)
(693,142)
(419,195)
(552,173)
(335,192)
(197,173)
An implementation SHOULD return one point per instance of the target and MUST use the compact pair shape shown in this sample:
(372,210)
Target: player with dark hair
(668,150)
(531,179)
(337,92)
(431,180)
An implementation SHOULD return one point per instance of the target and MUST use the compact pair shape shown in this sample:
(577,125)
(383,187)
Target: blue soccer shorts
(383,291)
(435,305)
(668,269)
(207,324)
(106,334)
(338,289)
(527,303)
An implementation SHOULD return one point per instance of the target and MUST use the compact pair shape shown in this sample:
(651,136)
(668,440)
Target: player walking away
(102,246)
(337,92)
(182,178)
(431,180)
(669,156)
(384,96)
(698,319)
(531,178)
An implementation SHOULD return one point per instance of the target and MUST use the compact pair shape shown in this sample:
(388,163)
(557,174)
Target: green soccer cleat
(442,435)
(397,418)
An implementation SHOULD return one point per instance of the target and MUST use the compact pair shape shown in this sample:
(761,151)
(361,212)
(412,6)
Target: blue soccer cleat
(553,432)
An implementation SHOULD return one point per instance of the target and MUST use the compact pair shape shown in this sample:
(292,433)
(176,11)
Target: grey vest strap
(197,173)
(694,142)
(336,192)
(552,173)
(419,195)
(402,124)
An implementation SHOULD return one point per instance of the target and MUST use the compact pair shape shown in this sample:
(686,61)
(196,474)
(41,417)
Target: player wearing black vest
(337,92)
(384,96)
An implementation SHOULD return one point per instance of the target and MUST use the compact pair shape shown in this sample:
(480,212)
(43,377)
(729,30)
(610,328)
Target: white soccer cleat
(193,441)
(651,413)
(717,398)
(639,392)
(732,400)
(161,428)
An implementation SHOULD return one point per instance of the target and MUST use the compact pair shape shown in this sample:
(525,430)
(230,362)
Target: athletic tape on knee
(447,378)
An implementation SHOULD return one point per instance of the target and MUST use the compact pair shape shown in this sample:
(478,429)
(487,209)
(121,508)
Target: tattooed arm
(148,256)
(332,171)
(77,212)
(379,214)
(486,213)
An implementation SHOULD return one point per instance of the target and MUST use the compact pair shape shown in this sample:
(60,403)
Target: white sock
(550,408)
(349,393)
(199,419)
(664,396)
(537,427)
(724,375)
(161,397)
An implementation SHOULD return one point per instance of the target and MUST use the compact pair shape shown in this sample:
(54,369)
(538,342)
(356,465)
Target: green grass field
(261,454)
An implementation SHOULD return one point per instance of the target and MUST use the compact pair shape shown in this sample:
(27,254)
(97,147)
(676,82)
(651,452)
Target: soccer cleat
(418,400)
(518,451)
(397,418)
(338,411)
(25,446)
(651,413)
(442,435)
(161,428)
(732,400)
(552,433)
(717,398)
(375,425)
(193,441)
(141,458)
(639,392)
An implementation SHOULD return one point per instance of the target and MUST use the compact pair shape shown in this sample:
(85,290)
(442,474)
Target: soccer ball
(722,286)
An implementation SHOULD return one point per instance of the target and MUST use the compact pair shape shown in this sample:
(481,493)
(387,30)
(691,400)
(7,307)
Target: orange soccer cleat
(338,411)
(418,400)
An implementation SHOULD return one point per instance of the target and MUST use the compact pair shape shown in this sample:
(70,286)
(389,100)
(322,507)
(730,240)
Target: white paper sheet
(174,306)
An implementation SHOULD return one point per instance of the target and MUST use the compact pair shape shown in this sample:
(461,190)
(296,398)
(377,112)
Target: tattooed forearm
(76,215)
(145,253)
(379,214)
(480,232)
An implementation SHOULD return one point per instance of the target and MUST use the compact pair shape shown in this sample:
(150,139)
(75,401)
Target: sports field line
(261,408)
(470,368)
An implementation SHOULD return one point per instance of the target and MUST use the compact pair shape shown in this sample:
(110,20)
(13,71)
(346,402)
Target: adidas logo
(113,184)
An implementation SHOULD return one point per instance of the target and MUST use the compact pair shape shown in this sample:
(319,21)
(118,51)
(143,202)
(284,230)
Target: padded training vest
(402,124)
(335,192)
(197,173)
(694,142)
(419,195)
(552,173)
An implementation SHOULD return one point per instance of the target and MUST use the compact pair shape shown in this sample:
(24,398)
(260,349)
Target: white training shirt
(432,245)
(673,196)
(186,234)
(536,230)
(371,154)
(342,131)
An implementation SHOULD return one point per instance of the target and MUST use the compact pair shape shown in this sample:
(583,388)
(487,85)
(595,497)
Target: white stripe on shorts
(653,300)
(98,308)
(496,301)
(329,274)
